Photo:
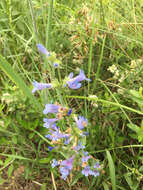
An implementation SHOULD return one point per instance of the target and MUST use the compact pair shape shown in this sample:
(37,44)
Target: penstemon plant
(70,141)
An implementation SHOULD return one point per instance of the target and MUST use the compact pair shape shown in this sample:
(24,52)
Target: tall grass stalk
(112,95)
(90,57)
(48,34)
(16,78)
(111,169)
(99,65)
(119,147)
(33,20)
(106,102)
(91,47)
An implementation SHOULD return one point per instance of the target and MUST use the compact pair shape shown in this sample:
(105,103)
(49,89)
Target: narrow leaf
(134,127)
(15,77)
(10,170)
(112,170)
(44,186)
(16,157)
(105,186)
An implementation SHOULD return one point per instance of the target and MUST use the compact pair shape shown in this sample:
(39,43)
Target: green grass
(84,34)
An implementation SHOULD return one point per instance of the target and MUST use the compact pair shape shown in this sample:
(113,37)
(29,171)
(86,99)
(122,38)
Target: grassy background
(92,35)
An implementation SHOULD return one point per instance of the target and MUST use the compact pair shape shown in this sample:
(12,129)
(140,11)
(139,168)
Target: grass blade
(105,186)
(112,170)
(15,77)
(99,64)
(16,157)
(107,102)
(33,19)
(91,46)
(50,10)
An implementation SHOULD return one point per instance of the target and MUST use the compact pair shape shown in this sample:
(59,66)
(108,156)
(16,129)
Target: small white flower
(121,79)
(112,69)
(116,75)
(133,64)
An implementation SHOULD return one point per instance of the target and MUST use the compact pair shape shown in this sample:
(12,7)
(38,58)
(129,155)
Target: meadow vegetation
(104,38)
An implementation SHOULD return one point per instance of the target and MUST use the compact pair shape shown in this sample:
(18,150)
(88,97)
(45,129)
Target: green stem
(48,35)
(91,47)
(116,100)
(99,65)
(33,19)
(106,102)
(119,147)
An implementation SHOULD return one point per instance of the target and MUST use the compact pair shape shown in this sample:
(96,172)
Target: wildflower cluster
(67,131)
(118,74)
(129,74)
(51,56)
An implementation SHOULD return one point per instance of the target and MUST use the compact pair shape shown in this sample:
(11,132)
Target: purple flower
(67,141)
(87,171)
(97,165)
(85,153)
(65,135)
(69,112)
(55,163)
(55,64)
(43,50)
(49,136)
(49,122)
(85,158)
(65,172)
(68,163)
(95,173)
(67,166)
(53,126)
(84,134)
(81,122)
(50,148)
(51,108)
(74,83)
(56,134)
(79,146)
(40,86)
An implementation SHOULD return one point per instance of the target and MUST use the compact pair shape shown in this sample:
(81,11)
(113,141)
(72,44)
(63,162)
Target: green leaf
(1,162)
(105,186)
(2,181)
(133,127)
(27,172)
(135,95)
(44,186)
(35,123)
(112,170)
(31,135)
(11,156)
(42,137)
(44,160)
(15,77)
(128,179)
(10,170)
(14,139)
(75,179)
(6,162)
